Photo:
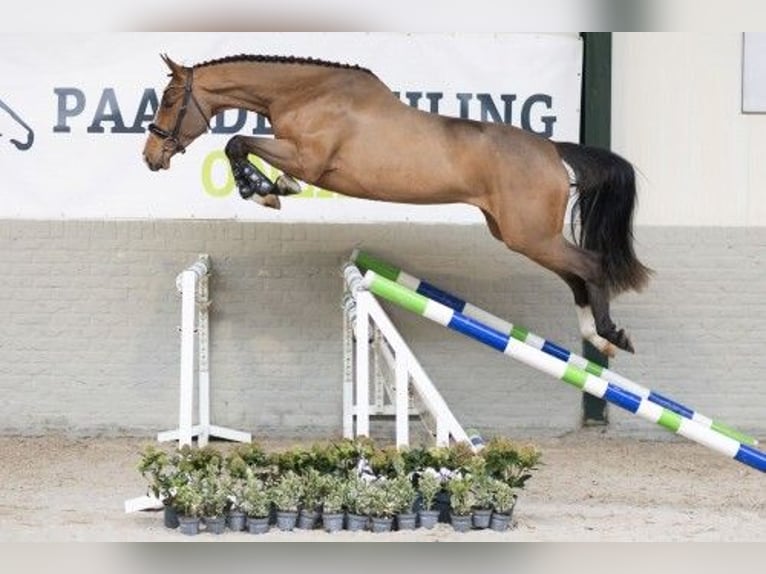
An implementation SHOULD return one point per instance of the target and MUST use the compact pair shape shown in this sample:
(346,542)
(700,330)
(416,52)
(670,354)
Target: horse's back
(385,149)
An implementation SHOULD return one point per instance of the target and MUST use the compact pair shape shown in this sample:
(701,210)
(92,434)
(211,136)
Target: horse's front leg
(251,182)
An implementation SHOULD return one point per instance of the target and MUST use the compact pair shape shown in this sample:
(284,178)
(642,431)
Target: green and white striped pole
(368,262)
(560,369)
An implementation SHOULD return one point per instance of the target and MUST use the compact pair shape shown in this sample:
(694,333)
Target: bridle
(171,138)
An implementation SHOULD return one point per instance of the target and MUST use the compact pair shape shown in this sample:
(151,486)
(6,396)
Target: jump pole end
(368,279)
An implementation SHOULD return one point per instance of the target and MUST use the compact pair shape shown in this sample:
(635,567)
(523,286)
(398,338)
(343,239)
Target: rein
(172,137)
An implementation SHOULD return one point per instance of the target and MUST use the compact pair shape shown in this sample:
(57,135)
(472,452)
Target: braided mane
(280,60)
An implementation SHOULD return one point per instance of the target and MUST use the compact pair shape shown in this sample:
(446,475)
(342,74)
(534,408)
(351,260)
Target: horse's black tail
(606,198)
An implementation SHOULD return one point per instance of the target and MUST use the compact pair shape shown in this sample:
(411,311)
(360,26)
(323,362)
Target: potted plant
(159,469)
(429,485)
(381,505)
(509,462)
(236,518)
(333,503)
(512,465)
(503,503)
(482,493)
(256,504)
(358,503)
(215,500)
(404,496)
(311,495)
(462,501)
(286,495)
(188,503)
(234,483)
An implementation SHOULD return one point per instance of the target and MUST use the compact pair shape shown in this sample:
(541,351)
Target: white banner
(74,111)
(754,72)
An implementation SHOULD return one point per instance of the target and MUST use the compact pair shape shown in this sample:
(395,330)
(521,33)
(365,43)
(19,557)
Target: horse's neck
(253,85)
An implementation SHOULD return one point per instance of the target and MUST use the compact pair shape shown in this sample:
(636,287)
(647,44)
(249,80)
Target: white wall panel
(677,117)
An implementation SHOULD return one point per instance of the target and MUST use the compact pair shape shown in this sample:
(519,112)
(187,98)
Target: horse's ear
(175,68)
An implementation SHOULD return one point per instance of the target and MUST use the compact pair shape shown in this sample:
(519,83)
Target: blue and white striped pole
(367,262)
(556,367)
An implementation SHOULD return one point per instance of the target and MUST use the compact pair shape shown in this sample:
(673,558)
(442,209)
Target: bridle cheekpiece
(171,138)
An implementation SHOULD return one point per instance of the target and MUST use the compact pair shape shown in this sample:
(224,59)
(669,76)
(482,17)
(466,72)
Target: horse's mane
(280,60)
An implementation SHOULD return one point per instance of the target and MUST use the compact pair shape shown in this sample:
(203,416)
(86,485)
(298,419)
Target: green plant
(212,489)
(235,465)
(481,483)
(509,462)
(429,486)
(359,499)
(324,458)
(206,459)
(252,454)
(460,456)
(234,488)
(256,500)
(297,459)
(312,489)
(462,498)
(344,453)
(387,462)
(503,496)
(414,459)
(286,492)
(188,498)
(333,494)
(159,469)
(436,457)
(380,499)
(364,447)
(403,493)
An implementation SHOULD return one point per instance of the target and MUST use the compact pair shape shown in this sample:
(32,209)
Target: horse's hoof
(286,185)
(622,341)
(272,201)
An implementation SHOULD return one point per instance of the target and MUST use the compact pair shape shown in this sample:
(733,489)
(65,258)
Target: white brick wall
(89,310)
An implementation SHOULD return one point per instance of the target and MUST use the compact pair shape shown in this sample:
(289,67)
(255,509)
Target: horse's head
(180,118)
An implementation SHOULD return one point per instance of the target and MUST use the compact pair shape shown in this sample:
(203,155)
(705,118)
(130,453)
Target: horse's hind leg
(598,297)
(584,305)
(581,270)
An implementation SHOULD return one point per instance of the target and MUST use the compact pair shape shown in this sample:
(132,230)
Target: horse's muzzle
(155,165)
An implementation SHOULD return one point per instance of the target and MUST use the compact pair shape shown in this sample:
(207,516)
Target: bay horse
(339,127)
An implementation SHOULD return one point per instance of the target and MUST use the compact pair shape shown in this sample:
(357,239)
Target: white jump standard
(192,284)
(560,369)
(364,315)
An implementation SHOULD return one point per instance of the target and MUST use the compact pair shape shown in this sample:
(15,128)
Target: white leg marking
(588,331)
